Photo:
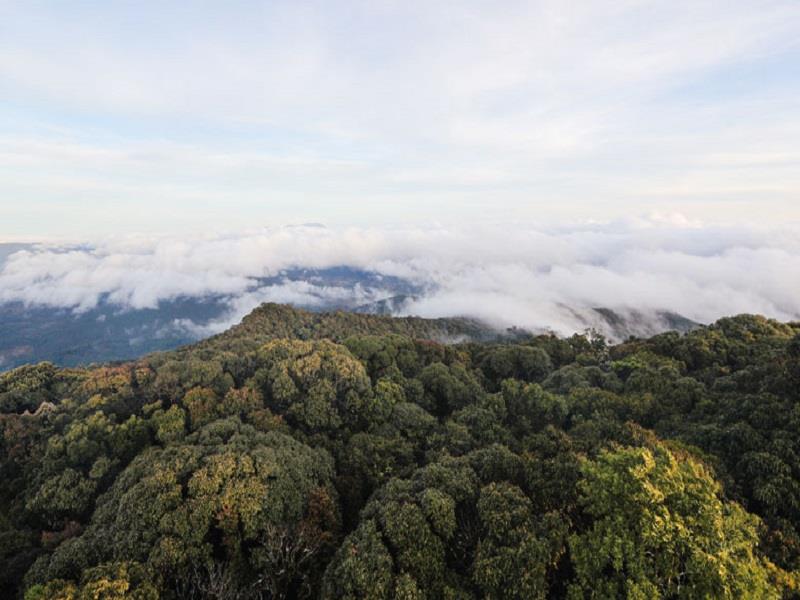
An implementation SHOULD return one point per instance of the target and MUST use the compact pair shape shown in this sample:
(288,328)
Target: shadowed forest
(338,455)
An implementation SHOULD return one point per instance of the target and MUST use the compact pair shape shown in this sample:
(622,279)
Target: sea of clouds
(536,277)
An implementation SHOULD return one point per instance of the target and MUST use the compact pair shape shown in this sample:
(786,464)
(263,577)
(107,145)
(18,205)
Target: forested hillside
(336,455)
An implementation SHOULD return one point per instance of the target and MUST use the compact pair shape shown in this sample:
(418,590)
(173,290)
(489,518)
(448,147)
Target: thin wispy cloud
(288,112)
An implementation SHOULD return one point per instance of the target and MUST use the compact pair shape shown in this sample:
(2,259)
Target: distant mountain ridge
(108,332)
(620,325)
(105,334)
(617,325)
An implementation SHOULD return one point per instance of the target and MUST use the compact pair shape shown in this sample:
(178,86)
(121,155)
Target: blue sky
(120,117)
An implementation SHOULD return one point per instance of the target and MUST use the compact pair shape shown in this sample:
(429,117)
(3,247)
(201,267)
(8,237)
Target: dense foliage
(347,456)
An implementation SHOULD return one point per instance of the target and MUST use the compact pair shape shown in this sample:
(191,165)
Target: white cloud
(514,275)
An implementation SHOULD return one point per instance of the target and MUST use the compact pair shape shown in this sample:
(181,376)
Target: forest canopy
(301,455)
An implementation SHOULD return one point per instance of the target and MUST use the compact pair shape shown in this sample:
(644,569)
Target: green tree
(659,528)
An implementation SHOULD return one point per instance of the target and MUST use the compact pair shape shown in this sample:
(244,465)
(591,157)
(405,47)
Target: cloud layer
(532,277)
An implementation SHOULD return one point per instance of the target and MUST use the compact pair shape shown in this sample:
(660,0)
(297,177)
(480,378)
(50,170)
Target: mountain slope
(336,455)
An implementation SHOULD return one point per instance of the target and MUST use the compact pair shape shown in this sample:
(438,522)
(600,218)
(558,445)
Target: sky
(120,118)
